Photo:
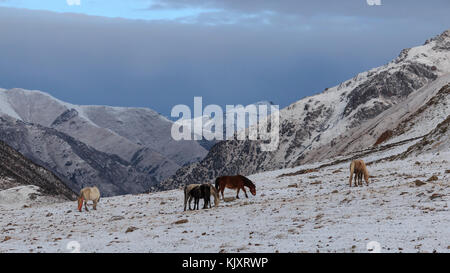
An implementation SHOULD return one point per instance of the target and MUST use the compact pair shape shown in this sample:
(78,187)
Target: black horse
(202,191)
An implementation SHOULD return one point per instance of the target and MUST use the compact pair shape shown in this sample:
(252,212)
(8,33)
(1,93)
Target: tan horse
(86,194)
(358,167)
(188,197)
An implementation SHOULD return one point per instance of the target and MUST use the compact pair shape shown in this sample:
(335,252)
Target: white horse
(86,194)
(190,187)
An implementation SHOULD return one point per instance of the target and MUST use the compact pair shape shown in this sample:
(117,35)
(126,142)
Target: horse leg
(190,201)
(237,193)
(223,197)
(95,205)
(85,205)
(243,189)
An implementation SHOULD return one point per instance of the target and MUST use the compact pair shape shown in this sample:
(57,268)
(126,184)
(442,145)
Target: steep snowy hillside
(22,182)
(404,209)
(438,140)
(137,139)
(341,119)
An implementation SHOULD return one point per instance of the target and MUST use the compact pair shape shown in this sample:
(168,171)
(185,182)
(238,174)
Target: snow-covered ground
(312,212)
(25,196)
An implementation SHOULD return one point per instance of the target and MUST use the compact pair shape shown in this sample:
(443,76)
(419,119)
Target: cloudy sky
(164,52)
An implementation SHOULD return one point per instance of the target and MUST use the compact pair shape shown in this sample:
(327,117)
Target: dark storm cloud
(223,54)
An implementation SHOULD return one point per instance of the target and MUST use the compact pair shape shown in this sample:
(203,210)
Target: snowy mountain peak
(442,39)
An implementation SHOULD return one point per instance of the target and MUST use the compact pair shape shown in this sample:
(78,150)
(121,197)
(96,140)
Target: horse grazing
(235,182)
(86,194)
(198,191)
(358,167)
(214,193)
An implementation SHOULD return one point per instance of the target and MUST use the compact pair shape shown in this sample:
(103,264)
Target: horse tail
(352,169)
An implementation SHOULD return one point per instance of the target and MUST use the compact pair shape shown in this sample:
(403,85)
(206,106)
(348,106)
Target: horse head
(253,190)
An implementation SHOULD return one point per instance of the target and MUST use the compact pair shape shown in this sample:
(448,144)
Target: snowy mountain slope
(20,173)
(427,117)
(335,121)
(104,140)
(414,117)
(27,196)
(438,140)
(311,212)
(146,128)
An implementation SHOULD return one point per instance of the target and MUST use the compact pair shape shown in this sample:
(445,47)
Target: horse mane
(247,182)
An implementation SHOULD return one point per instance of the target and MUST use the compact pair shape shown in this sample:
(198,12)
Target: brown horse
(235,182)
(358,167)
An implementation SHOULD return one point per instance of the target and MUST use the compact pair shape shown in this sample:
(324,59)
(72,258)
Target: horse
(196,191)
(358,167)
(86,194)
(235,182)
(202,191)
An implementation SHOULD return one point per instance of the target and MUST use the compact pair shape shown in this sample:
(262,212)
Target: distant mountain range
(121,150)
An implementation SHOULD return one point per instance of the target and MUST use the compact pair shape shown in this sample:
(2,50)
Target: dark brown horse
(235,182)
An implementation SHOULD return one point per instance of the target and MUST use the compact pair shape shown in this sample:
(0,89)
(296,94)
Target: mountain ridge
(135,142)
